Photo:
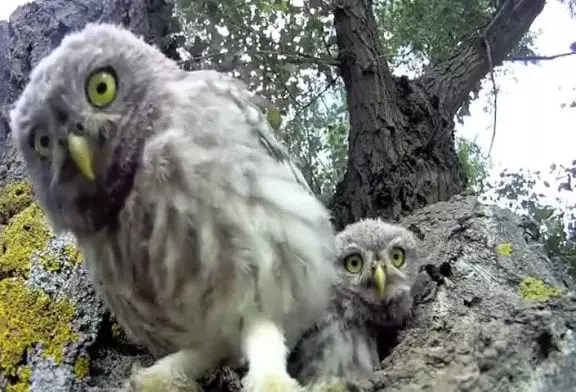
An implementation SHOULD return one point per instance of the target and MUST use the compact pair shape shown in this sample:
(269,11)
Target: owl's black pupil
(101,88)
(44,141)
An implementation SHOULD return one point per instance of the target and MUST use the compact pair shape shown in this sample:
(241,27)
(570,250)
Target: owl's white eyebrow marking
(396,242)
(350,249)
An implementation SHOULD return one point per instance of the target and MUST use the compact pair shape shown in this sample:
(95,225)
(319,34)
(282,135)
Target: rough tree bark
(401,142)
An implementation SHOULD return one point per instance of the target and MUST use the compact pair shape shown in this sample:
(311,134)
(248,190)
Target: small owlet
(376,264)
(202,237)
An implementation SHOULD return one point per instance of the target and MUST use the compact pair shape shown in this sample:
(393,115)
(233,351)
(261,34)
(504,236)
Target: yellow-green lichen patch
(73,254)
(117,330)
(29,317)
(26,234)
(82,366)
(23,384)
(54,260)
(50,262)
(13,199)
(533,289)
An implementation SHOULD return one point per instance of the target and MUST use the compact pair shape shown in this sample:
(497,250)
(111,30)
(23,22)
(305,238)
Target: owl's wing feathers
(238,92)
(220,152)
(277,151)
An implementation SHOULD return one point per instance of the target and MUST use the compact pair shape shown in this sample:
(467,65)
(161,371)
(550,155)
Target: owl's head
(81,122)
(377,261)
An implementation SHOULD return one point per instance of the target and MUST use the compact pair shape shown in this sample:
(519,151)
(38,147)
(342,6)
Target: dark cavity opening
(545,344)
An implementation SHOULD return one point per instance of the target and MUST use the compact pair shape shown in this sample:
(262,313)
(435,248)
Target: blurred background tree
(302,55)
(287,51)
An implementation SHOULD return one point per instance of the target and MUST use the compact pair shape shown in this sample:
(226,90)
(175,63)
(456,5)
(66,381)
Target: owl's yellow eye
(42,144)
(353,263)
(101,87)
(398,257)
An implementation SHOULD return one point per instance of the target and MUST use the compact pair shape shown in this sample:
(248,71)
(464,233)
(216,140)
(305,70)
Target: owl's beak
(82,155)
(380,280)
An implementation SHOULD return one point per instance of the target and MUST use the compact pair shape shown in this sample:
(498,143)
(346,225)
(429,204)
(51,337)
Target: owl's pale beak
(82,155)
(380,280)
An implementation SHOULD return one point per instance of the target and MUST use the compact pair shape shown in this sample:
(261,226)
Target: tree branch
(537,58)
(493,80)
(315,98)
(452,80)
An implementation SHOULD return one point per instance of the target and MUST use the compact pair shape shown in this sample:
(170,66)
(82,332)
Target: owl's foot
(264,348)
(272,382)
(332,384)
(159,378)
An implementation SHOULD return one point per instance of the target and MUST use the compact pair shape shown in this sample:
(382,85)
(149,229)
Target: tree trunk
(401,144)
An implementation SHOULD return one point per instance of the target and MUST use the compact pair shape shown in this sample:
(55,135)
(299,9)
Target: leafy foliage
(556,220)
(279,48)
(518,191)
(318,135)
(571,4)
(429,31)
(475,164)
(284,51)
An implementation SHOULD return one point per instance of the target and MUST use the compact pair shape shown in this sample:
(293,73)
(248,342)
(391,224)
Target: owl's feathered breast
(336,346)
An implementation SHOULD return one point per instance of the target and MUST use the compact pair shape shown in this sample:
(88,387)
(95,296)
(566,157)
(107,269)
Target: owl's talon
(158,379)
(332,384)
(280,382)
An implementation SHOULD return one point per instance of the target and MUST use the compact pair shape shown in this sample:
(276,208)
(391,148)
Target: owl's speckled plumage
(344,343)
(201,236)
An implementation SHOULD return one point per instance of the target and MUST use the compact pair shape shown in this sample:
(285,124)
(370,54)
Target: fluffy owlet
(201,236)
(376,264)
